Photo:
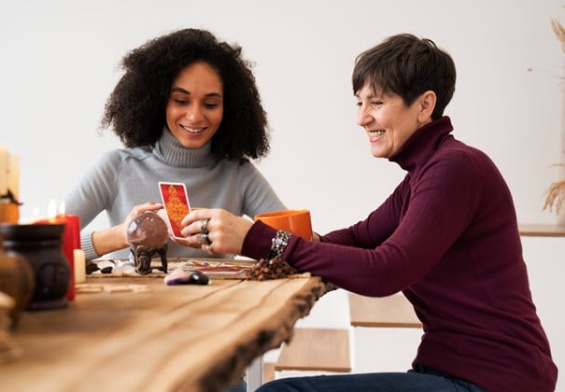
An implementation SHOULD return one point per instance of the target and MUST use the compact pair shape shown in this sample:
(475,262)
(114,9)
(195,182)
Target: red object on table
(71,241)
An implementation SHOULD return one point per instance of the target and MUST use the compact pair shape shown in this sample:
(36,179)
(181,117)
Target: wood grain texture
(168,338)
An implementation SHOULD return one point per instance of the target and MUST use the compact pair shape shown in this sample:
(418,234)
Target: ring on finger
(204,225)
(203,238)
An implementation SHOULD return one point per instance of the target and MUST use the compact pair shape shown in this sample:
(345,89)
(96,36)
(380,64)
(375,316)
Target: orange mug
(294,221)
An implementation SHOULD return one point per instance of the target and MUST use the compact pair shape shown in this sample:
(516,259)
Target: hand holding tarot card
(175,200)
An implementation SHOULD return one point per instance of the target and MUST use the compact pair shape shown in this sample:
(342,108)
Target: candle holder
(17,281)
(9,212)
(40,244)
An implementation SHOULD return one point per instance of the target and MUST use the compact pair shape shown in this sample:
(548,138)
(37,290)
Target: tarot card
(175,200)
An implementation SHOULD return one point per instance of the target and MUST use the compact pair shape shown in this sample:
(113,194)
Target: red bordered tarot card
(175,200)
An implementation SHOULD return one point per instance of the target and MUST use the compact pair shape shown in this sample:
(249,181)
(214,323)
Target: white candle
(80,266)
(14,175)
(52,209)
(3,170)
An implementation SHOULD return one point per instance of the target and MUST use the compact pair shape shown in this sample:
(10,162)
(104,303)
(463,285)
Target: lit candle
(52,210)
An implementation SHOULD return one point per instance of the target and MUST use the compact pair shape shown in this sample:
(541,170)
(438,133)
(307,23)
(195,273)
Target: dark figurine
(147,235)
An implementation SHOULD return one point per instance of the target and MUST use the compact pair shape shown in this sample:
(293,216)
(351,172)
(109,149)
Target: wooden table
(142,335)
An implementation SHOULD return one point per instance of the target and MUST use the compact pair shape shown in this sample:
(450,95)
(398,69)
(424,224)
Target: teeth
(192,130)
(376,133)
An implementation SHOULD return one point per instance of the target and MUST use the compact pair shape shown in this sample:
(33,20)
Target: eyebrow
(373,95)
(182,90)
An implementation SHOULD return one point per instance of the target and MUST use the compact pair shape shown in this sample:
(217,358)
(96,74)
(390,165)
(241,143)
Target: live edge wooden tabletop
(167,338)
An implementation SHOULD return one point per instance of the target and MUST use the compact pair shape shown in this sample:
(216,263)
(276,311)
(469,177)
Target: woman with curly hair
(187,109)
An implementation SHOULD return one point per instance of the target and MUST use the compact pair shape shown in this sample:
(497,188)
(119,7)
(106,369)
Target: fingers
(208,248)
(196,228)
(199,214)
(149,206)
(140,209)
(198,221)
(214,231)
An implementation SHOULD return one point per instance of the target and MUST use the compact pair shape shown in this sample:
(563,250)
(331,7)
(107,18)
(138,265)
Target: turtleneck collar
(423,144)
(169,150)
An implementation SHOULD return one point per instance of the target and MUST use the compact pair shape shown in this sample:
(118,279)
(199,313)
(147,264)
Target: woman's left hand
(214,230)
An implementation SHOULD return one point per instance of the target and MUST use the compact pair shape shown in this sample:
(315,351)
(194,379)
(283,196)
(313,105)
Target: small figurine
(147,235)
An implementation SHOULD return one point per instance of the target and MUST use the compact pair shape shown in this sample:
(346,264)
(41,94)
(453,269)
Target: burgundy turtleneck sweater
(447,238)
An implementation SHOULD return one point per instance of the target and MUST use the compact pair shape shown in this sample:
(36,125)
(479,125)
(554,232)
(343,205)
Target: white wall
(59,62)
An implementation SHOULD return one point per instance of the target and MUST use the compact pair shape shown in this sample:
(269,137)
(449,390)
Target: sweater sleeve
(378,226)
(438,208)
(257,242)
(92,194)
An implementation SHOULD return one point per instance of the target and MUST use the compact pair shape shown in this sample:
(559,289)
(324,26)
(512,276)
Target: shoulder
(453,165)
(111,163)
(120,155)
(241,168)
(458,156)
(248,172)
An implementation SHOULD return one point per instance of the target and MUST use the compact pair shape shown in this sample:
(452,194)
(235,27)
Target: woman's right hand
(224,231)
(138,210)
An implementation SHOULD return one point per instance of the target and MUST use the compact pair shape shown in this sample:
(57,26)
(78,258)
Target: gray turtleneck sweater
(127,177)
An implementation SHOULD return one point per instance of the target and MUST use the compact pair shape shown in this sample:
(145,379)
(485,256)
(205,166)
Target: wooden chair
(383,322)
(392,311)
(316,349)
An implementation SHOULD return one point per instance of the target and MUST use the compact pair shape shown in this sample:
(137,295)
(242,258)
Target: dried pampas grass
(555,197)
(559,31)
(556,192)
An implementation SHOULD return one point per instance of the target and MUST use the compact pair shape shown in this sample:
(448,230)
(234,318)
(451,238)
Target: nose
(194,113)
(363,116)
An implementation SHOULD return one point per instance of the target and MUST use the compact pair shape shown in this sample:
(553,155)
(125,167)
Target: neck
(170,151)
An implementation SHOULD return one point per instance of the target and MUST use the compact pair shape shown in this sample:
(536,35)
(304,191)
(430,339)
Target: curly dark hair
(136,108)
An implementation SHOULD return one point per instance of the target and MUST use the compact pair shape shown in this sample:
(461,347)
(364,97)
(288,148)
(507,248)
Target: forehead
(199,74)
(370,91)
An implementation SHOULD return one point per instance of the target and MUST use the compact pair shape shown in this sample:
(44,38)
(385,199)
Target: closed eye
(211,105)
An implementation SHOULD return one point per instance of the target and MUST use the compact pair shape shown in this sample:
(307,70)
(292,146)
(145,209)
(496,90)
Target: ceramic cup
(294,221)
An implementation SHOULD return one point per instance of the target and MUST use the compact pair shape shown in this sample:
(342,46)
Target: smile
(375,133)
(193,130)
